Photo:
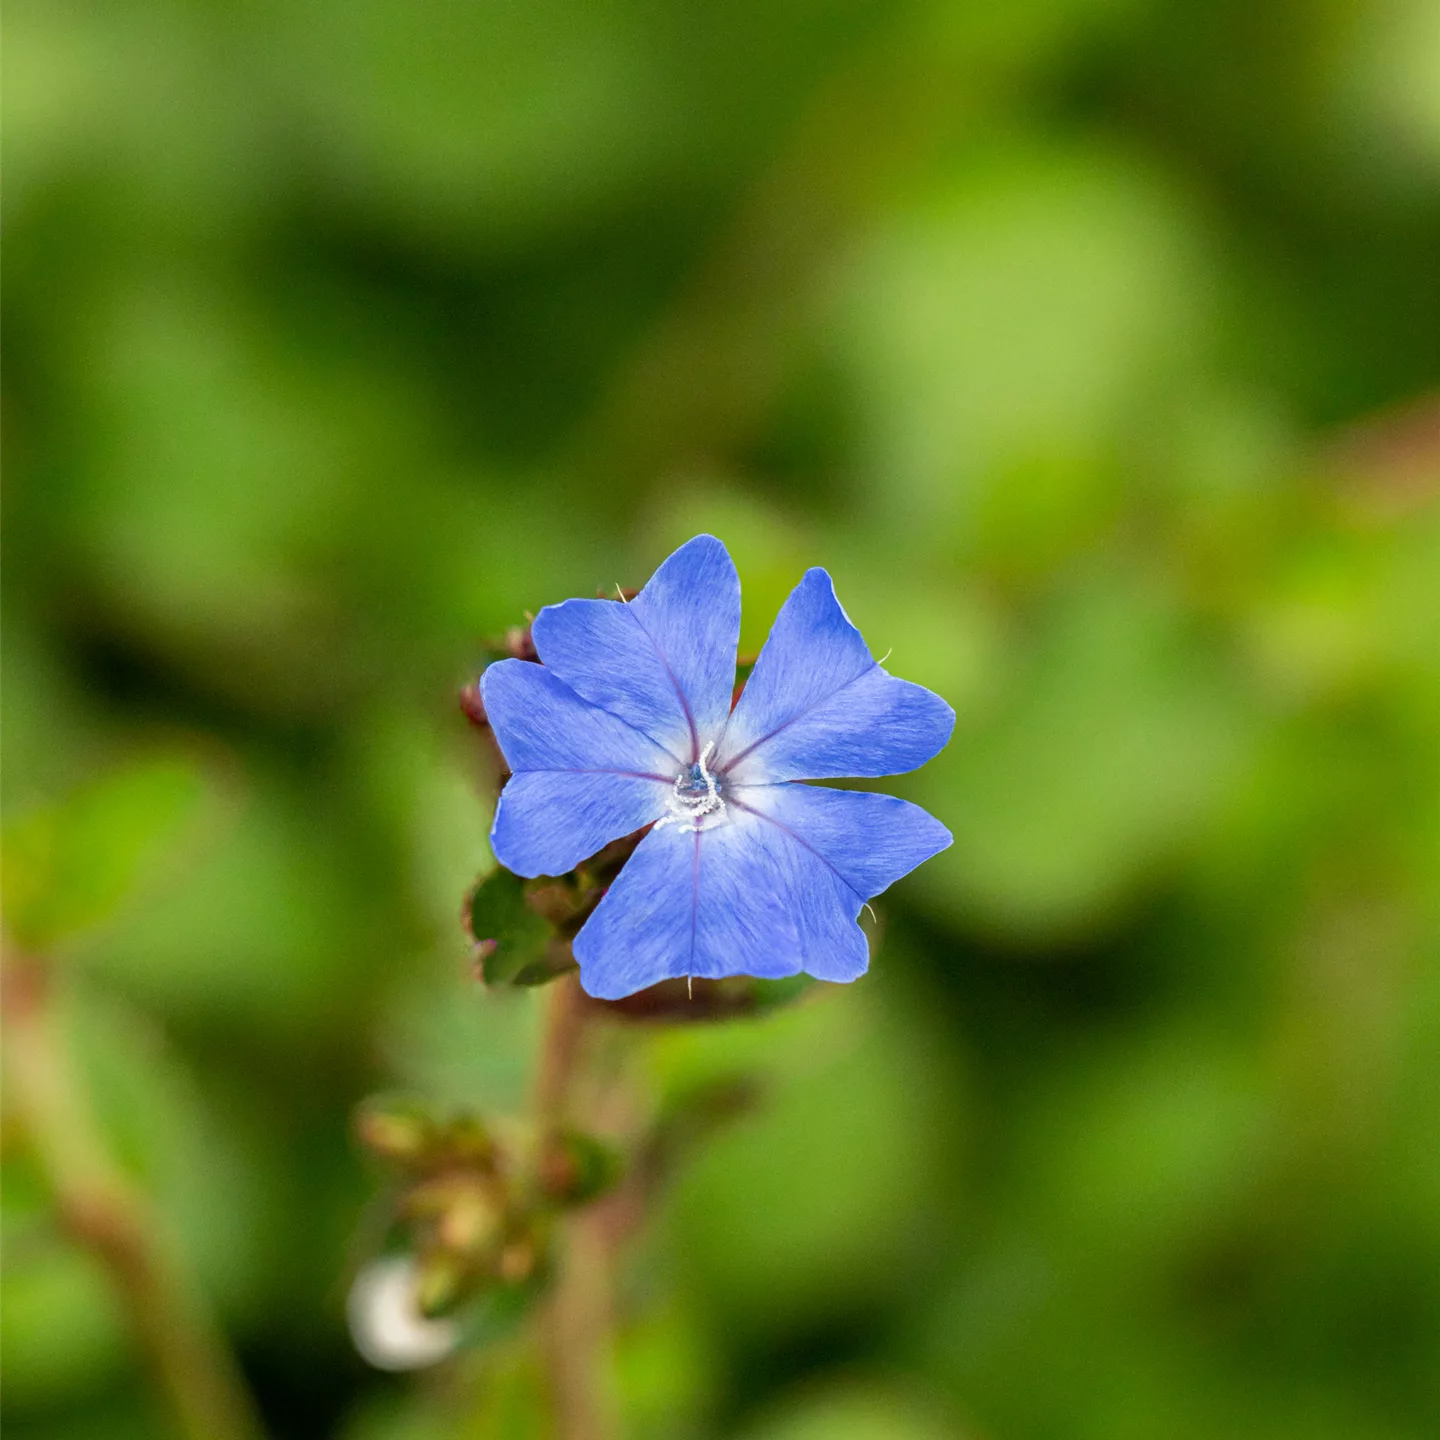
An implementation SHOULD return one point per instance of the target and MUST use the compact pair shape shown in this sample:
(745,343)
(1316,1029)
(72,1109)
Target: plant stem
(576,1319)
(560,1044)
(108,1216)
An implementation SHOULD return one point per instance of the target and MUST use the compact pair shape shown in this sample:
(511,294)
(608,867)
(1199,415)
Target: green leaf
(61,1324)
(71,865)
(514,940)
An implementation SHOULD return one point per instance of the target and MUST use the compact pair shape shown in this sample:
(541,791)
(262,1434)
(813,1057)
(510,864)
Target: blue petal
(869,840)
(774,889)
(542,724)
(666,661)
(583,777)
(846,846)
(817,706)
(706,903)
(548,821)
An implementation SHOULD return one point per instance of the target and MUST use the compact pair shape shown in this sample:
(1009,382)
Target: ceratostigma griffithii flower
(627,722)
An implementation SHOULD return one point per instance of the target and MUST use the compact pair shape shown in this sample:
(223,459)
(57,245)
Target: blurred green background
(1093,345)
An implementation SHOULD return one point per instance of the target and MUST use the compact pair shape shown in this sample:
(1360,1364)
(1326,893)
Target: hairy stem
(105,1213)
(577,1316)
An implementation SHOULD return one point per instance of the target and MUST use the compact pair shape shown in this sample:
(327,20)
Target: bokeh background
(1093,345)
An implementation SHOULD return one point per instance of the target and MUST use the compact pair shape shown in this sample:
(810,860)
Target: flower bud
(468,1142)
(398,1132)
(519,645)
(519,1260)
(470,1222)
(473,705)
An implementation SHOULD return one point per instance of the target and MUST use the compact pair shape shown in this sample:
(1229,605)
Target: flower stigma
(695,800)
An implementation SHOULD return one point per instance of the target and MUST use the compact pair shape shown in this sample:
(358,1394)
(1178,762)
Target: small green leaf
(71,865)
(556,959)
(513,939)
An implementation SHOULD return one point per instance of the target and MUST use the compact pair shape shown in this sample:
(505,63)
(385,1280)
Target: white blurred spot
(385,1322)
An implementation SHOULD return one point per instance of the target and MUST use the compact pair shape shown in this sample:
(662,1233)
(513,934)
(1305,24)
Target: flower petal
(548,821)
(542,724)
(869,840)
(817,706)
(583,777)
(705,903)
(846,846)
(665,662)
(775,889)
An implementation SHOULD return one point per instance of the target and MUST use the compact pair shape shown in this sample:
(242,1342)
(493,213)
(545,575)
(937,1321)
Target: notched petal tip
(818,705)
(664,662)
(703,541)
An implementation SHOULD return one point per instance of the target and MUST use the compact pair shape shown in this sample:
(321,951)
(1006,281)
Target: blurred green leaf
(1118,742)
(859,1408)
(72,865)
(998,329)
(457,1043)
(61,1327)
(299,933)
(1089,344)
(772,994)
(665,1371)
(212,1180)
(514,940)
(826,1197)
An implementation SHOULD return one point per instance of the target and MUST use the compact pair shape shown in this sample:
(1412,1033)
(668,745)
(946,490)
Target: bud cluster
(476,1213)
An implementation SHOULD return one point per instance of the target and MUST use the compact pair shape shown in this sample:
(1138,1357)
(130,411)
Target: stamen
(695,812)
(705,774)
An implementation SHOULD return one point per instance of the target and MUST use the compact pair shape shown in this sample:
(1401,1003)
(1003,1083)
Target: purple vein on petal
(798,839)
(629,725)
(594,770)
(694,903)
(799,715)
(679,691)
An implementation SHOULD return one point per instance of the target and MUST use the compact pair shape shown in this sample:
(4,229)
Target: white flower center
(695,801)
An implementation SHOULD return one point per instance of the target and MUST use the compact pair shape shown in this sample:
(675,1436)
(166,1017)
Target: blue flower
(628,723)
